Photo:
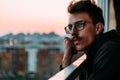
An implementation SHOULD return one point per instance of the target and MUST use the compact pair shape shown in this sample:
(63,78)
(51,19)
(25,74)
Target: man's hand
(69,51)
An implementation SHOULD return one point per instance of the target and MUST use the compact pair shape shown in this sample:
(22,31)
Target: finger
(66,38)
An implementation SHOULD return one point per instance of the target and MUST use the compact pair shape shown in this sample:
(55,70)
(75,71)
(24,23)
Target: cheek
(85,42)
(88,37)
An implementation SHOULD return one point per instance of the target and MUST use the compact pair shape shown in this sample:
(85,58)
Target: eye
(80,24)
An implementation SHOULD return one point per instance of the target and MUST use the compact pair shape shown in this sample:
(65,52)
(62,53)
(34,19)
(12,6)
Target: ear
(99,28)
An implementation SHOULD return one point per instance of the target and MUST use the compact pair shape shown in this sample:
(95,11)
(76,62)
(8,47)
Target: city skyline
(33,16)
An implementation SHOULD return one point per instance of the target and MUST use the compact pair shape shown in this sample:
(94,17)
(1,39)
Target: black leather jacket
(103,59)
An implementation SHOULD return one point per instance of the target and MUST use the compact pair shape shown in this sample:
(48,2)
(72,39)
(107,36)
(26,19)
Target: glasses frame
(79,25)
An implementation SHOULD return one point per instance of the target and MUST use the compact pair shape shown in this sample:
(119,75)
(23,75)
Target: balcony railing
(71,72)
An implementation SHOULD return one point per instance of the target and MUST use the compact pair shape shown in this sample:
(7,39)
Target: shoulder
(108,54)
(109,49)
(106,60)
(110,46)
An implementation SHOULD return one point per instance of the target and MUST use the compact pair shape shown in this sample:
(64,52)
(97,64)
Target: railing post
(71,72)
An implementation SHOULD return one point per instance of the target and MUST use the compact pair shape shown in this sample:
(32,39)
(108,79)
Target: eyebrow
(79,21)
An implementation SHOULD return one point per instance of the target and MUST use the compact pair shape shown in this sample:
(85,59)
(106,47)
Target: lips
(76,41)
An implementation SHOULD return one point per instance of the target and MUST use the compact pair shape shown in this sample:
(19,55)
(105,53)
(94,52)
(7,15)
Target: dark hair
(87,6)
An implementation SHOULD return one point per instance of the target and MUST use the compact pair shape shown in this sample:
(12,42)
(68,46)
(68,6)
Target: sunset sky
(29,16)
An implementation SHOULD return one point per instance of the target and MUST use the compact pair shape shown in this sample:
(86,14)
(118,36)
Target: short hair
(92,9)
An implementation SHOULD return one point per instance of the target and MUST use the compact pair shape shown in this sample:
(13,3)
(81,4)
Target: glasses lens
(80,25)
(68,29)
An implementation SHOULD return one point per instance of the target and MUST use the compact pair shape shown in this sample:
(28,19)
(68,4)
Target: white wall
(32,59)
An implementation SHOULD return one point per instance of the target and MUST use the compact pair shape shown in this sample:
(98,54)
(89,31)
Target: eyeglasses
(79,25)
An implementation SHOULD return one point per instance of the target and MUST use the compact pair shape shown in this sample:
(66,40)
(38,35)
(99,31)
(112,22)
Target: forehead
(79,16)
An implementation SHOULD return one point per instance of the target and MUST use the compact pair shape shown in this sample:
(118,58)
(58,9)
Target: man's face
(83,38)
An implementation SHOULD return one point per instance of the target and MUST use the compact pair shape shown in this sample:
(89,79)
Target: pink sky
(29,16)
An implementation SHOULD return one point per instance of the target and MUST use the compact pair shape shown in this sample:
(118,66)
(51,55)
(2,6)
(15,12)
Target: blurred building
(6,61)
(57,61)
(31,54)
(42,62)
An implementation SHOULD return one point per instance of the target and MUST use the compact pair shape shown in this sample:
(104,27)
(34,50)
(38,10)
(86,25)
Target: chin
(80,48)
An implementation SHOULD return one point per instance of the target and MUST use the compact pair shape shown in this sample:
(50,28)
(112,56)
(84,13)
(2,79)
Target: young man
(86,25)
